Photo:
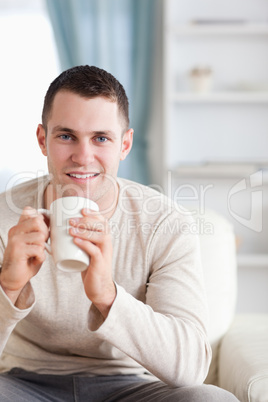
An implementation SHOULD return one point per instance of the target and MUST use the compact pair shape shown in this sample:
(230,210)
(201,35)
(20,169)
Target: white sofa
(239,343)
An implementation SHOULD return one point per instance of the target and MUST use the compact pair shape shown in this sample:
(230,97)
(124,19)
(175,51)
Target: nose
(83,153)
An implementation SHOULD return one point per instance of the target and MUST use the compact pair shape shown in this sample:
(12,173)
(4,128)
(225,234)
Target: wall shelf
(218,170)
(252,260)
(219,29)
(221,97)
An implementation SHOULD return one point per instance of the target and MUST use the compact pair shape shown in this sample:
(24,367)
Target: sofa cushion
(218,253)
(243,360)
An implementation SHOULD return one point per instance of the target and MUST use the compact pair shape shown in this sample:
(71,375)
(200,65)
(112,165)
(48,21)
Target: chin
(71,190)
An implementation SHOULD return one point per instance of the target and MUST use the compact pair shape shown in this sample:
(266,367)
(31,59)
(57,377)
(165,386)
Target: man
(132,327)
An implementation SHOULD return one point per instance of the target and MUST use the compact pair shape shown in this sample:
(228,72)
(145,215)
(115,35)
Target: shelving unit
(218,138)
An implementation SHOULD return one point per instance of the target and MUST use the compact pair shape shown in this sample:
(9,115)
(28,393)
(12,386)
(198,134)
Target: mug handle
(47,214)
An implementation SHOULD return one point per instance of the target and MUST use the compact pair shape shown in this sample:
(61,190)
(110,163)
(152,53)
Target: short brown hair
(89,82)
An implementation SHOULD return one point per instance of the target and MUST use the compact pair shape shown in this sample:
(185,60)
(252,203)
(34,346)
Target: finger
(90,212)
(97,254)
(17,243)
(26,253)
(37,238)
(30,213)
(90,220)
(87,216)
(87,234)
(45,217)
(27,213)
(34,253)
(94,243)
(95,231)
(30,223)
(90,248)
(95,223)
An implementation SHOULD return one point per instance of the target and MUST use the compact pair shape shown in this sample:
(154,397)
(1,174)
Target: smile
(82,176)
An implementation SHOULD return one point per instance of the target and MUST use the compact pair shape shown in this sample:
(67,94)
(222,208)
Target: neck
(107,204)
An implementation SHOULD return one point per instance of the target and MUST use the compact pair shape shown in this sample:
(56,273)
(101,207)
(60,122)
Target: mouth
(82,177)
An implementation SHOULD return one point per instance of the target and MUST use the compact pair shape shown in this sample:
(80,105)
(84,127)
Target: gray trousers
(22,386)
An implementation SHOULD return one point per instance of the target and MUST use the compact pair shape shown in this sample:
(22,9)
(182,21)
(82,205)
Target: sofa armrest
(243,358)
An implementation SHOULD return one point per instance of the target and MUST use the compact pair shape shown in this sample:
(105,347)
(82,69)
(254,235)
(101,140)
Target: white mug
(66,254)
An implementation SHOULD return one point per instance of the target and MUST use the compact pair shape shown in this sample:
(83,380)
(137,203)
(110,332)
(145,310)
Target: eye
(101,139)
(65,137)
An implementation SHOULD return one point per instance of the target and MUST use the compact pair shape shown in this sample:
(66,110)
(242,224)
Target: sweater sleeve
(10,315)
(166,334)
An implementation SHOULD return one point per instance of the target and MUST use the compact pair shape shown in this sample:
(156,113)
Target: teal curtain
(117,35)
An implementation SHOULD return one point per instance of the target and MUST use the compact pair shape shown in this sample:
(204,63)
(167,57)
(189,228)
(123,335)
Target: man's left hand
(92,234)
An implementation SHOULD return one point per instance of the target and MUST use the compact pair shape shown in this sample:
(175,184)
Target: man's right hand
(25,252)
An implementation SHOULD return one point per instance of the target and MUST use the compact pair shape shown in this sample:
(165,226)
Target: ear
(126,143)
(41,138)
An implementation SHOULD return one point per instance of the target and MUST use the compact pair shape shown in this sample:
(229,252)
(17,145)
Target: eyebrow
(63,129)
(68,130)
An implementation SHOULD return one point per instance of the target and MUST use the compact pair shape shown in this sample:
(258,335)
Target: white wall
(28,64)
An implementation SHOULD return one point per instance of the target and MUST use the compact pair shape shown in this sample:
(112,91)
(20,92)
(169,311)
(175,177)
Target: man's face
(84,146)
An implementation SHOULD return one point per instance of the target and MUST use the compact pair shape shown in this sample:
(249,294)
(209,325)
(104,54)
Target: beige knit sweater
(157,324)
